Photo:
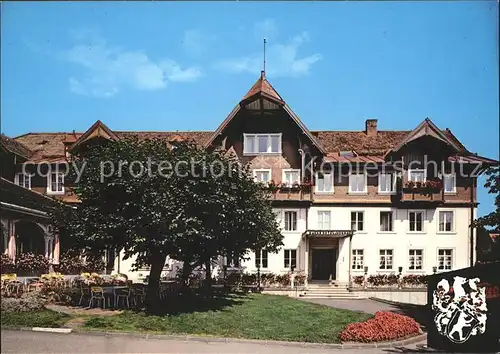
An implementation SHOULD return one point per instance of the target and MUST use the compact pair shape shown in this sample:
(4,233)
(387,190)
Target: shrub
(29,263)
(300,279)
(267,279)
(414,279)
(358,279)
(94,264)
(383,327)
(71,264)
(7,265)
(282,279)
(382,279)
(233,279)
(249,279)
(31,301)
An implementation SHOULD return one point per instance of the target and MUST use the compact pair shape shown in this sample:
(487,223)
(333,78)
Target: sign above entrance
(327,233)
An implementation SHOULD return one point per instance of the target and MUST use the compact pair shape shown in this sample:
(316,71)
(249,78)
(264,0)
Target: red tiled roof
(359,142)
(50,146)
(263,87)
(15,146)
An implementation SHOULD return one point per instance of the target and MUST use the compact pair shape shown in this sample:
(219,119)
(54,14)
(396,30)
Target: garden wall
(407,296)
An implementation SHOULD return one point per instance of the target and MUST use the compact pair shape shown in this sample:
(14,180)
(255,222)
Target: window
(449,183)
(386,183)
(261,259)
(290,258)
(357,183)
(55,184)
(324,220)
(445,259)
(386,259)
(357,260)
(290,221)
(415,259)
(324,182)
(386,221)
(416,221)
(263,176)
(291,177)
(446,221)
(254,144)
(23,179)
(416,175)
(357,220)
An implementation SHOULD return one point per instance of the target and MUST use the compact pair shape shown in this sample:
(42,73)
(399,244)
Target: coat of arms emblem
(461,309)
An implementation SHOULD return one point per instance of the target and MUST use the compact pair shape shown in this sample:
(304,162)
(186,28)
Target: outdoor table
(110,291)
(27,280)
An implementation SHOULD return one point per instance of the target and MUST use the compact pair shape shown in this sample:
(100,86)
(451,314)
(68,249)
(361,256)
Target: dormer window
(256,144)
(23,179)
(55,183)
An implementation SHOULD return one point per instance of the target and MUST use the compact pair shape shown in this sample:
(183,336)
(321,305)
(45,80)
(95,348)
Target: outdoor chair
(138,294)
(124,295)
(97,294)
(84,291)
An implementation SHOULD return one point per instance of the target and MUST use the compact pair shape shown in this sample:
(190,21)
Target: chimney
(371,127)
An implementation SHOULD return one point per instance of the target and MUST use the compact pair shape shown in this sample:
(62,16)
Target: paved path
(35,342)
(362,305)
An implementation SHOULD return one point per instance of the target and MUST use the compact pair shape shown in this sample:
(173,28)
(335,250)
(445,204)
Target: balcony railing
(290,192)
(428,191)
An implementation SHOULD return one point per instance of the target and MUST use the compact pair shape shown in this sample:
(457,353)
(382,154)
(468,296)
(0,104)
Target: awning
(327,233)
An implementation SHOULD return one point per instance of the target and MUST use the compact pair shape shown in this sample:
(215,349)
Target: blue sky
(183,66)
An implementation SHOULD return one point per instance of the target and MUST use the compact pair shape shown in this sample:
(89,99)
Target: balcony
(290,192)
(421,192)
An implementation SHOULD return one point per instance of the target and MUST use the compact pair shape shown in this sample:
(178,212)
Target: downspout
(350,255)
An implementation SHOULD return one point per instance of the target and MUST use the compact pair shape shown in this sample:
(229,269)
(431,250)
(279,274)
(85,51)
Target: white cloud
(108,69)
(265,29)
(281,59)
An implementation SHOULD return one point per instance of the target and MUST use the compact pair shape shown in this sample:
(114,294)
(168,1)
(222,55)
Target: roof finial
(263,74)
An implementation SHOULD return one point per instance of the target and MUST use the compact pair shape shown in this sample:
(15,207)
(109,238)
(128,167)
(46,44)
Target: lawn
(251,316)
(41,318)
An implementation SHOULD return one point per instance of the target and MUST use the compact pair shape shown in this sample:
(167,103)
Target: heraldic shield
(464,306)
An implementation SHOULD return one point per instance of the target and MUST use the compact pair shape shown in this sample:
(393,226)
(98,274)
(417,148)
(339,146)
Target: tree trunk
(152,298)
(186,272)
(208,277)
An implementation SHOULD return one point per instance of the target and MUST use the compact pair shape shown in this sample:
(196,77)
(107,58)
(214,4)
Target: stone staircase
(336,290)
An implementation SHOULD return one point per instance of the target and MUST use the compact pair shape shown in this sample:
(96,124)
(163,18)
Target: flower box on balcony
(427,187)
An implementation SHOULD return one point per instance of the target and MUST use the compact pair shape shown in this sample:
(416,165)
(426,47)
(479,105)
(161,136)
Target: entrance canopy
(327,233)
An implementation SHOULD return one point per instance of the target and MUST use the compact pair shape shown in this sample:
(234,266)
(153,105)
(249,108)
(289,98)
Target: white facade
(429,247)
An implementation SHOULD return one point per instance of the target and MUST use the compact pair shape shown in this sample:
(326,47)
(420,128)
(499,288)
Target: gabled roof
(262,89)
(14,147)
(428,128)
(98,129)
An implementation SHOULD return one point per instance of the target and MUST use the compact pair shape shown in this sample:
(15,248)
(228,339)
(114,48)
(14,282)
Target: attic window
(346,154)
(256,144)
(43,142)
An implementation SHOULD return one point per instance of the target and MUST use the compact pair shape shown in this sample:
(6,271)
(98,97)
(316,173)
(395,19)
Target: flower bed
(390,281)
(267,280)
(384,326)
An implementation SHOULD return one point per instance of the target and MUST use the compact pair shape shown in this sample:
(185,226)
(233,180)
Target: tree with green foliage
(492,220)
(490,224)
(154,200)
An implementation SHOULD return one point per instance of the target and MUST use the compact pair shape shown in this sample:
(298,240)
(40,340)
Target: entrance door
(323,264)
